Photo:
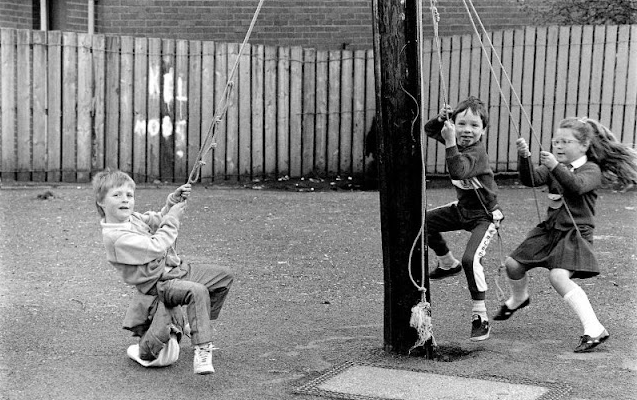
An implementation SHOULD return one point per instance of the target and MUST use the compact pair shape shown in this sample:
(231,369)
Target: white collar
(579,162)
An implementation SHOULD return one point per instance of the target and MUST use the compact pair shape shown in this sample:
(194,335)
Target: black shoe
(441,273)
(479,329)
(505,312)
(587,343)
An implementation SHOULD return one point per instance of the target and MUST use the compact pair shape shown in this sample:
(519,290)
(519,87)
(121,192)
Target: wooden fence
(73,103)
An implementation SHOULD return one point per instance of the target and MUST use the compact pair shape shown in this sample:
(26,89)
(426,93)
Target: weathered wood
(345,134)
(358,114)
(40,68)
(296,110)
(126,110)
(111,128)
(23,87)
(283,113)
(195,88)
(167,112)
(181,112)
(399,164)
(54,100)
(245,116)
(232,116)
(7,80)
(153,126)
(270,121)
(221,80)
(209,85)
(140,114)
(84,107)
(69,107)
(309,110)
(320,131)
(333,113)
(99,71)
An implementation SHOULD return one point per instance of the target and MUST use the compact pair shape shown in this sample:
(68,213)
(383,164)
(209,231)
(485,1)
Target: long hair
(617,161)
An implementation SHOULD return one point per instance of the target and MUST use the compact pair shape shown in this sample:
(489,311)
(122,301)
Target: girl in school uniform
(585,156)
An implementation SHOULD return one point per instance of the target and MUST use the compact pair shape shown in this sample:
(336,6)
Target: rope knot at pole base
(421,321)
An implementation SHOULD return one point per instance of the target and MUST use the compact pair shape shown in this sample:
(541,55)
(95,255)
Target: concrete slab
(354,381)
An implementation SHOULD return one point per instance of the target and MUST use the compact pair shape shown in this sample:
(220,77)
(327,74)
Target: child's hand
(445,111)
(183,192)
(548,159)
(523,148)
(178,210)
(448,133)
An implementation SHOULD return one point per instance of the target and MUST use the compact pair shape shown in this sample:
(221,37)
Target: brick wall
(322,24)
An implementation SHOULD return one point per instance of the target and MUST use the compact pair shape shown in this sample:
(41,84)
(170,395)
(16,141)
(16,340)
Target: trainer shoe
(479,329)
(202,360)
(441,273)
(587,343)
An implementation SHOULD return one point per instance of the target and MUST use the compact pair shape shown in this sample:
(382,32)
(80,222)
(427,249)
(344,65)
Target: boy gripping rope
(476,209)
(141,248)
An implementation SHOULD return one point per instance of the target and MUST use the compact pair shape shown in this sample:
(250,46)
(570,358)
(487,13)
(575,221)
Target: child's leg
(575,297)
(442,219)
(518,282)
(481,236)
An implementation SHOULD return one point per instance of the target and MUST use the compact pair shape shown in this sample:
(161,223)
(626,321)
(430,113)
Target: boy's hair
(106,180)
(617,161)
(476,106)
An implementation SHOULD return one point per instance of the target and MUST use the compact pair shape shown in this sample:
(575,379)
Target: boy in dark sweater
(476,209)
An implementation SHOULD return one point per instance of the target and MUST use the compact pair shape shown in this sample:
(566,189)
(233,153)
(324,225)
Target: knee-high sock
(578,300)
(519,292)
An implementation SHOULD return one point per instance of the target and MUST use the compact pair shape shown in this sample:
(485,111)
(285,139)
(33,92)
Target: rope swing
(208,143)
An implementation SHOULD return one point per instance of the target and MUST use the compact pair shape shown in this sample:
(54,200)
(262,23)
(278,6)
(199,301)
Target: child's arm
(434,126)
(529,175)
(587,178)
(136,249)
(180,194)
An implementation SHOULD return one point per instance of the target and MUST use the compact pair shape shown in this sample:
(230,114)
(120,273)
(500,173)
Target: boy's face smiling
(118,204)
(469,128)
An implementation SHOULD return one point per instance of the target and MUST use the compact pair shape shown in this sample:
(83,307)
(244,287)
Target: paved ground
(308,299)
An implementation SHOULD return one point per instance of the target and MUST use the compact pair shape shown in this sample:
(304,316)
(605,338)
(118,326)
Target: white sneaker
(202,360)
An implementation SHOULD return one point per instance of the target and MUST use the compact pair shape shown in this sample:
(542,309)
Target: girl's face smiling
(118,204)
(469,128)
(566,147)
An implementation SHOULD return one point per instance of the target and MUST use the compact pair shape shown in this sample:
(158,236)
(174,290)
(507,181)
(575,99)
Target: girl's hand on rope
(178,210)
(523,148)
(448,133)
(182,192)
(445,112)
(548,159)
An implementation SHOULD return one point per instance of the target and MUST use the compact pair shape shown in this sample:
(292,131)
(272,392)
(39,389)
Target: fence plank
(111,131)
(283,112)
(610,54)
(620,73)
(627,135)
(517,75)
(370,114)
(345,128)
(320,138)
(506,115)
(194,89)
(434,103)
(258,110)
(181,111)
(140,90)
(475,57)
(333,112)
(69,106)
(455,70)
(464,86)
(167,111)
(153,127)
(550,77)
(23,87)
(296,111)
(8,73)
(54,100)
(527,93)
(574,56)
(232,116)
(495,100)
(309,110)
(583,86)
(126,104)
(40,68)
(270,111)
(358,128)
(539,57)
(221,90)
(597,72)
(561,88)
(209,129)
(85,106)
(245,116)
(485,88)
(99,106)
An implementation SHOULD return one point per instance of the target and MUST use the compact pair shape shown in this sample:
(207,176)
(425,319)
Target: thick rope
(208,143)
